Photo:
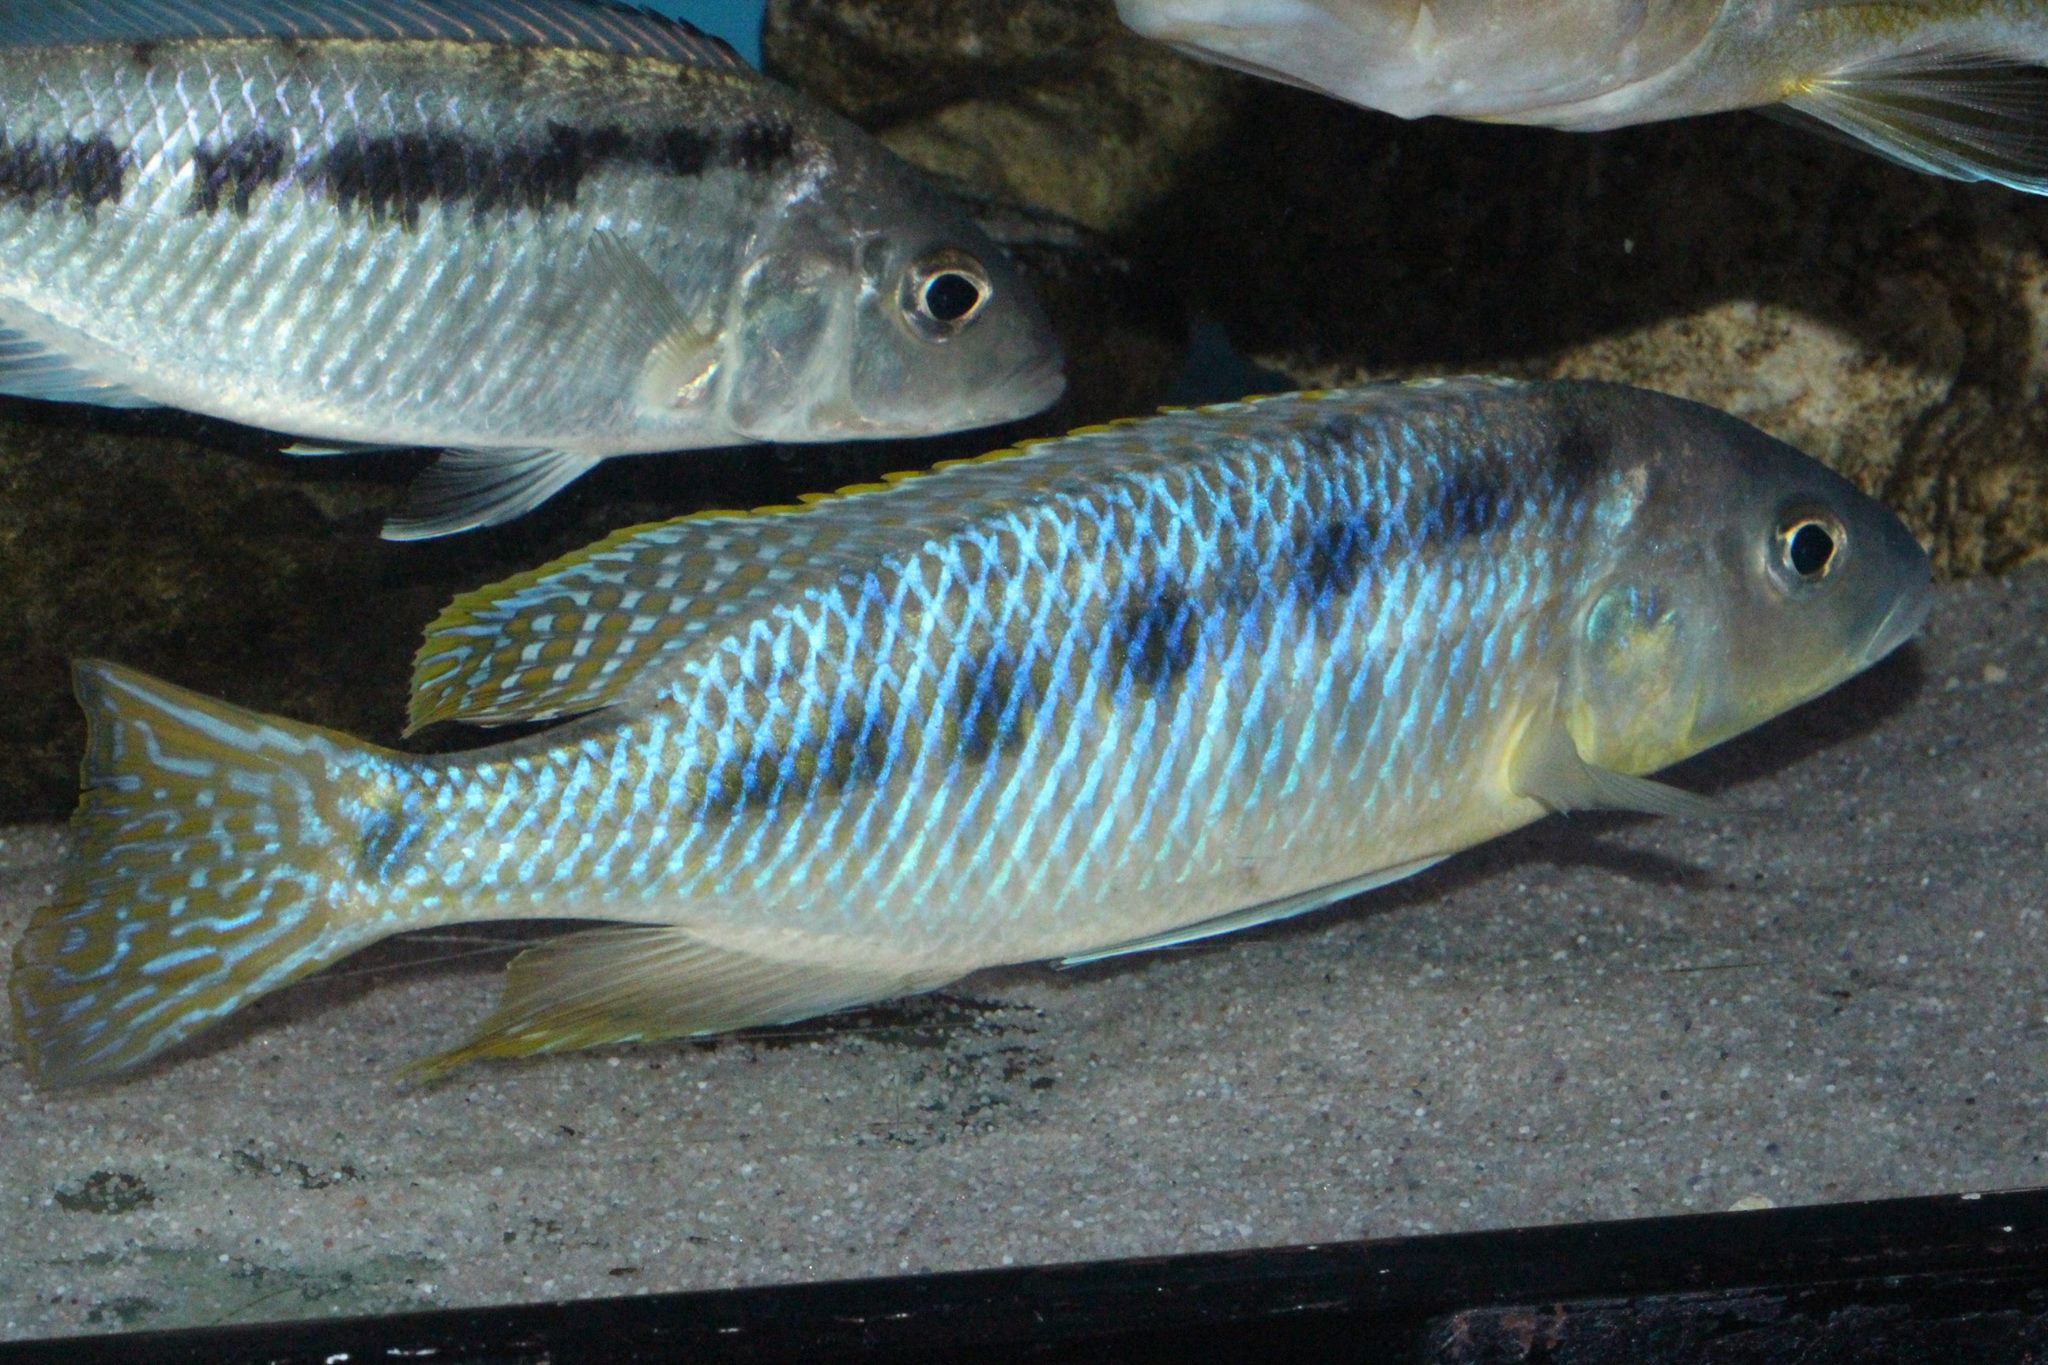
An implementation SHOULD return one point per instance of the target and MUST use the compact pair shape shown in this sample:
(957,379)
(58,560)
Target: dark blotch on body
(388,836)
(1467,503)
(1160,637)
(1332,559)
(398,175)
(759,145)
(233,173)
(995,697)
(84,172)
(853,750)
(1578,456)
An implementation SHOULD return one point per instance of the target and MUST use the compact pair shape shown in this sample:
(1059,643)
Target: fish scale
(1136,686)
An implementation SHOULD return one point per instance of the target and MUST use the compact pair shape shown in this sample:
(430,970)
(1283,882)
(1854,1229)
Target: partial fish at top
(534,232)
(1137,686)
(1950,87)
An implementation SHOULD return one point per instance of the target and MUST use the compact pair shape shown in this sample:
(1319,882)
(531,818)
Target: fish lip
(1909,612)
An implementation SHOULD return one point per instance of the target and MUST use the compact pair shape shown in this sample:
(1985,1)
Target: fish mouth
(1909,611)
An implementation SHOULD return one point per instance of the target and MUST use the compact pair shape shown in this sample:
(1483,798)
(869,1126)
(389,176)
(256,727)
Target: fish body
(535,232)
(1135,686)
(1950,87)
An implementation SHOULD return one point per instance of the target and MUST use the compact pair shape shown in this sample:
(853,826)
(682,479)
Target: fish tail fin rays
(1961,114)
(468,489)
(645,984)
(203,874)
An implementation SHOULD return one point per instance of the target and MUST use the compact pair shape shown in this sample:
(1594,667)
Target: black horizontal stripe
(396,176)
(82,172)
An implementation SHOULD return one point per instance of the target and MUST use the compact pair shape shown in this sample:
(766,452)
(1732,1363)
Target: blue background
(736,21)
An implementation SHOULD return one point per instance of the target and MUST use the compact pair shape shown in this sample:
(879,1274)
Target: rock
(1888,322)
(1050,103)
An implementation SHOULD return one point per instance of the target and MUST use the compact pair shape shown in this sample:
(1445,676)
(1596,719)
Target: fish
(1955,88)
(534,234)
(1125,689)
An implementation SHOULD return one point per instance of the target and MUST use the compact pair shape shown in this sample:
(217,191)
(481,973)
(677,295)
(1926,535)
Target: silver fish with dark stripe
(1136,686)
(534,232)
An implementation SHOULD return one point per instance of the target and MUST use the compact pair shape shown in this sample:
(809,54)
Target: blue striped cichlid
(536,233)
(1132,687)
(1951,87)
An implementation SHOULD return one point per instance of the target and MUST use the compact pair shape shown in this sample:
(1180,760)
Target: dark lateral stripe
(236,171)
(83,172)
(396,176)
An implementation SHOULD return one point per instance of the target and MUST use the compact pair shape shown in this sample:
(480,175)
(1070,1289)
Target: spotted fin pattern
(204,875)
(573,635)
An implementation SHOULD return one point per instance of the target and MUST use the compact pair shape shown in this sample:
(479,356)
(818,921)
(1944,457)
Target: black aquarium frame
(1948,1277)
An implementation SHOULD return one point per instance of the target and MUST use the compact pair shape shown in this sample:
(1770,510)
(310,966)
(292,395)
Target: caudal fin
(210,865)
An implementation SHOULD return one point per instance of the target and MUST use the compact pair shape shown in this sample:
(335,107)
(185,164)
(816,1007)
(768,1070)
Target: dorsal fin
(585,25)
(572,635)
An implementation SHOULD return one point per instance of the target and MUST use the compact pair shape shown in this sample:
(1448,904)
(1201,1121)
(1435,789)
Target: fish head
(1738,578)
(1478,59)
(886,313)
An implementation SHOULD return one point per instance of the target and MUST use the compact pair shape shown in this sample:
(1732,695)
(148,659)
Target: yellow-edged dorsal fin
(571,636)
(642,984)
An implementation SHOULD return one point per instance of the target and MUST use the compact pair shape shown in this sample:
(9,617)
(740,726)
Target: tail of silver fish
(211,859)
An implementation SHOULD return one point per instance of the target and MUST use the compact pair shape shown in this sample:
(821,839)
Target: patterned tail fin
(210,864)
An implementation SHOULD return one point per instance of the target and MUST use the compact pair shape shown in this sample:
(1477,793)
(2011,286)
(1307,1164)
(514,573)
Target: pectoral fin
(1965,115)
(642,984)
(1549,768)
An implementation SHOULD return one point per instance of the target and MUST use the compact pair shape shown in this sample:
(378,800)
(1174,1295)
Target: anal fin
(1271,911)
(34,369)
(642,984)
(466,489)
(1945,111)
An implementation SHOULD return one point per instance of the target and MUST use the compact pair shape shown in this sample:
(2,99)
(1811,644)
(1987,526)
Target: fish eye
(1807,547)
(943,294)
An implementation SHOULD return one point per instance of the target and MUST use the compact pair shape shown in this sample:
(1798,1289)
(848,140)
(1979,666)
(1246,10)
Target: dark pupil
(1810,551)
(950,297)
